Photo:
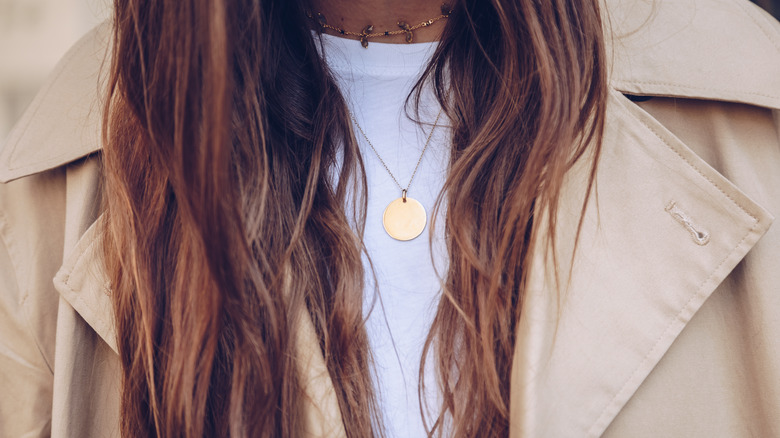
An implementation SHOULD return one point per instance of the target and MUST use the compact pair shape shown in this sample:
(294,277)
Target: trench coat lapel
(716,50)
(661,231)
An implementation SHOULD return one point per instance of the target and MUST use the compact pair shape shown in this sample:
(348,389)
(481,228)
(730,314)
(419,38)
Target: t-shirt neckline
(348,55)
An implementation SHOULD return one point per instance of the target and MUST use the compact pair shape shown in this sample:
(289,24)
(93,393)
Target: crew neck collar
(344,54)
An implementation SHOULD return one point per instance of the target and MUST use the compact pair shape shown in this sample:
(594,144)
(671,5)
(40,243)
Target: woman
(600,182)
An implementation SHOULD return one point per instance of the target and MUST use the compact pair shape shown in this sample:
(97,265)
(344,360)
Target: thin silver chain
(419,160)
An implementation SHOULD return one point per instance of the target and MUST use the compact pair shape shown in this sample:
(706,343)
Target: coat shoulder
(726,50)
(63,122)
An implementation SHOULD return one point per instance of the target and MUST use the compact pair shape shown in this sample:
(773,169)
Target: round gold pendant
(404,219)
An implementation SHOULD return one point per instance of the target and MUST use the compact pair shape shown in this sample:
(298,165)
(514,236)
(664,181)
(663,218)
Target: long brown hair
(224,129)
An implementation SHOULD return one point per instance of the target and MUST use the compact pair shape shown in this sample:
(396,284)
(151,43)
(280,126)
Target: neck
(383,15)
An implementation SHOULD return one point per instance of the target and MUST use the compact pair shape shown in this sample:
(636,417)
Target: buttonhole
(699,235)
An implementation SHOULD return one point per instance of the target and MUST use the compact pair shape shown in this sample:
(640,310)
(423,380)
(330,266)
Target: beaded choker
(368,31)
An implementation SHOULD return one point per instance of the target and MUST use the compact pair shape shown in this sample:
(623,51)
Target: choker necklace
(368,31)
(405,218)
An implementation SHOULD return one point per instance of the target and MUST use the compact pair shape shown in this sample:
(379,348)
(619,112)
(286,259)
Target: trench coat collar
(682,225)
(703,49)
(63,122)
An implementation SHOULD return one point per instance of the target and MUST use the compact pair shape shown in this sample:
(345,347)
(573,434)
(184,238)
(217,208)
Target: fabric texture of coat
(668,325)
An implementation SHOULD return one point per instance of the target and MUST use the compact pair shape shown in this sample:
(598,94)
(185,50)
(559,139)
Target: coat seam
(694,167)
(695,87)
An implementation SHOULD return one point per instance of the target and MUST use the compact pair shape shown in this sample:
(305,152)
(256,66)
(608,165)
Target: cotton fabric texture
(667,326)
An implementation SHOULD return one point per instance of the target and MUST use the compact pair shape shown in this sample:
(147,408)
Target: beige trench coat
(668,327)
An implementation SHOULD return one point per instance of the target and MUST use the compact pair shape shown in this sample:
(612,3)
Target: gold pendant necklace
(405,218)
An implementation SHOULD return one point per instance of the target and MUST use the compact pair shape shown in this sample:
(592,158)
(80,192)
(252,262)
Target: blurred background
(34,34)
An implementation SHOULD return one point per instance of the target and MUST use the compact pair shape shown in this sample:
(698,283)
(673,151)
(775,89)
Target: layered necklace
(404,218)
(368,31)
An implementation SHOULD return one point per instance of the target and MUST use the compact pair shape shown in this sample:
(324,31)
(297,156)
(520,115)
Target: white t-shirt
(375,82)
